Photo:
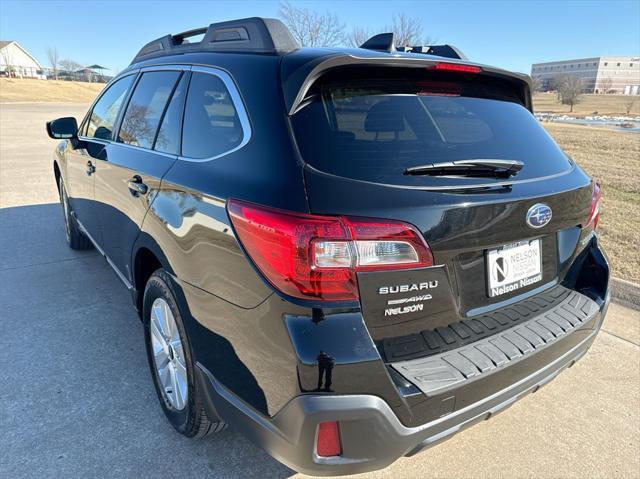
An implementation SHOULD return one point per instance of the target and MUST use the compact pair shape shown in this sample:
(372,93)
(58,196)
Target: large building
(613,74)
(16,61)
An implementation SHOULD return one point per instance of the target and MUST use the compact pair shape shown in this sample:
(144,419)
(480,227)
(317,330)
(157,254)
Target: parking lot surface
(77,399)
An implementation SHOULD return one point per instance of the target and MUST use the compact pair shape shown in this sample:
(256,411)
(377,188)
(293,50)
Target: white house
(19,61)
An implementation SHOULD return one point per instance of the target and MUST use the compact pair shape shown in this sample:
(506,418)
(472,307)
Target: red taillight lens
(328,440)
(317,257)
(455,67)
(594,214)
(279,245)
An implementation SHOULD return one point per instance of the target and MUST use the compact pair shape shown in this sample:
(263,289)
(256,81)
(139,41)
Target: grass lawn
(23,89)
(603,104)
(613,159)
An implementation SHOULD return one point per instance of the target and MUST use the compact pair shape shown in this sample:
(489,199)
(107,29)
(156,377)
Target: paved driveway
(77,400)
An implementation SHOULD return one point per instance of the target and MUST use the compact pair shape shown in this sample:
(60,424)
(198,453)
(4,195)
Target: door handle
(136,186)
(90,168)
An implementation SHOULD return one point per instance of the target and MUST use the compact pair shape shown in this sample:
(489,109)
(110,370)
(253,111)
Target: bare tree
(569,89)
(536,83)
(359,36)
(70,67)
(312,29)
(136,125)
(54,59)
(628,106)
(7,60)
(605,85)
(408,31)
(555,84)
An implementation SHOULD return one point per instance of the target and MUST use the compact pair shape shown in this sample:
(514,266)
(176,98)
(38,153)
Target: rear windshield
(371,127)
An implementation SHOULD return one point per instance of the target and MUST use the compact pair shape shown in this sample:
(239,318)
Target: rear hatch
(388,142)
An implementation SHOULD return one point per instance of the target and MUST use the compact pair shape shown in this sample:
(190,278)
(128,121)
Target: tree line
(58,65)
(314,29)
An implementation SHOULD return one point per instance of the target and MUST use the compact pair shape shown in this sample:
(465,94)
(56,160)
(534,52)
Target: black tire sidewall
(73,235)
(160,285)
(64,201)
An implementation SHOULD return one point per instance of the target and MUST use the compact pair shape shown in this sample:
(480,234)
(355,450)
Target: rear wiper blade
(480,168)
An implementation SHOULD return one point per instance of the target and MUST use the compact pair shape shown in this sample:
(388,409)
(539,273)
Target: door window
(146,107)
(211,122)
(105,111)
(168,140)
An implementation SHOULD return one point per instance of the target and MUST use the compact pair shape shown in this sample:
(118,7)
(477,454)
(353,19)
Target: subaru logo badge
(538,215)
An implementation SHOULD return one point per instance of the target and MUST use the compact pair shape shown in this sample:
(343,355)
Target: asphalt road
(77,399)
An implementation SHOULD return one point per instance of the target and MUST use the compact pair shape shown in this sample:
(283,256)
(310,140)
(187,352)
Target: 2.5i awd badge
(407,288)
(401,297)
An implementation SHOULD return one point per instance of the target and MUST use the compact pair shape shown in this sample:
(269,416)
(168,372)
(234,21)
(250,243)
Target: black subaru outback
(347,254)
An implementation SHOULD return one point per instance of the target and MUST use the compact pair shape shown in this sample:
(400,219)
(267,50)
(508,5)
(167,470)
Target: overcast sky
(509,34)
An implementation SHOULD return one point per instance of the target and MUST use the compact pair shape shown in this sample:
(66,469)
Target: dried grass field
(31,90)
(613,159)
(588,104)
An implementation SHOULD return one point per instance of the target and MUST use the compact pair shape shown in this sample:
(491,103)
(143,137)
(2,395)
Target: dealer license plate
(513,267)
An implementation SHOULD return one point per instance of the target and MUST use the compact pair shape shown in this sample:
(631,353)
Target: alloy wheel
(168,354)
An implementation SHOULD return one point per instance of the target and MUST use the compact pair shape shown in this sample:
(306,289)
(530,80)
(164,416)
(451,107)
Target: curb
(626,292)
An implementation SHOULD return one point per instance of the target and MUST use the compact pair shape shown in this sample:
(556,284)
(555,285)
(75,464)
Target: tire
(75,239)
(185,412)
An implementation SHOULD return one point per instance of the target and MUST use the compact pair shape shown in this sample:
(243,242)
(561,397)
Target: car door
(132,167)
(94,135)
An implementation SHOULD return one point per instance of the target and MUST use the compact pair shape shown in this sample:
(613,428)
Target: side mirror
(63,128)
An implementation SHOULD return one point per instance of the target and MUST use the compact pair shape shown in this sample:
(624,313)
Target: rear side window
(145,109)
(168,140)
(373,125)
(105,111)
(211,123)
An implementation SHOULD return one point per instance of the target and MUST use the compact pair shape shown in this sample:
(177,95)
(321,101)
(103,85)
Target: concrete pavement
(77,399)
(26,161)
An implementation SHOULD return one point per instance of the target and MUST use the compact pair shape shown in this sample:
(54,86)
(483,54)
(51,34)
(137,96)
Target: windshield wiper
(471,168)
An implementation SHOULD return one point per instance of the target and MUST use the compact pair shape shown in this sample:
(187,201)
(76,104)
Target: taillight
(328,439)
(317,257)
(594,214)
(455,67)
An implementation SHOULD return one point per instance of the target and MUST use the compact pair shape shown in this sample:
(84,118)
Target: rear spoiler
(297,81)
(386,42)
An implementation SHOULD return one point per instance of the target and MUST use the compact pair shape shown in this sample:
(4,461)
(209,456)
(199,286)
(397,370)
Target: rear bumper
(372,435)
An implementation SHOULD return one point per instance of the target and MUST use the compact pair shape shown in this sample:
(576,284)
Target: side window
(168,140)
(211,123)
(105,111)
(145,109)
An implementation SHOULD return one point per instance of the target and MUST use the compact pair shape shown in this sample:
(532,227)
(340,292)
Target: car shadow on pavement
(78,399)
